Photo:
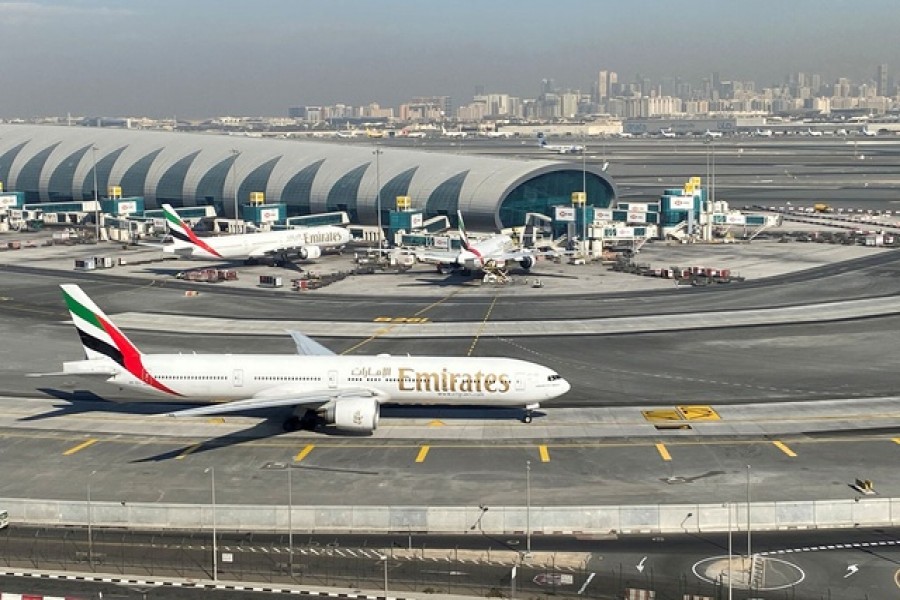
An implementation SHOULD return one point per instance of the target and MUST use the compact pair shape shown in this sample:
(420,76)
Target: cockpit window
(554,377)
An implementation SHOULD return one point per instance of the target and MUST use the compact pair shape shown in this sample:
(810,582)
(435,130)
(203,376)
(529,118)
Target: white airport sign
(565,213)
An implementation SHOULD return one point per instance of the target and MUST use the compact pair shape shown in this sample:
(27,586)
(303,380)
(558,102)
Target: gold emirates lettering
(411,380)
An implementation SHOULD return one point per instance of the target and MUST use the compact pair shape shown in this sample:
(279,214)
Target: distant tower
(603,86)
(882,79)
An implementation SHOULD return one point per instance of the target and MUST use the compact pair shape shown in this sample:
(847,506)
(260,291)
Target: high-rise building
(605,81)
(881,80)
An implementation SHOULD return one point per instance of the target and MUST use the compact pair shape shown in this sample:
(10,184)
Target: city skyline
(198,59)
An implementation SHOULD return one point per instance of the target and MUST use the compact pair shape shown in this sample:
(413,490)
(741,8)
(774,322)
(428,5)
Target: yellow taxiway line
(663,452)
(80,447)
(187,451)
(784,448)
(304,453)
(545,454)
(423,452)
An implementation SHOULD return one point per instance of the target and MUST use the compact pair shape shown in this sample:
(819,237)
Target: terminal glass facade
(444,200)
(170,188)
(296,194)
(29,177)
(60,185)
(104,168)
(344,193)
(543,192)
(257,180)
(211,188)
(6,162)
(135,177)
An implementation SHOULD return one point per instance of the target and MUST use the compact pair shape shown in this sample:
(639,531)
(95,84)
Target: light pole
(377,152)
(730,550)
(528,507)
(235,153)
(212,473)
(96,195)
(290,522)
(584,239)
(90,531)
(749,548)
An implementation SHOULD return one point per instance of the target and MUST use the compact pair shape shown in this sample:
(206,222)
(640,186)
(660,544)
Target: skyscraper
(881,79)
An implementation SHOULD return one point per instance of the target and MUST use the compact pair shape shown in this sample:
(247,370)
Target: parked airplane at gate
(306,243)
(763,133)
(453,134)
(320,386)
(713,134)
(493,252)
(667,133)
(558,148)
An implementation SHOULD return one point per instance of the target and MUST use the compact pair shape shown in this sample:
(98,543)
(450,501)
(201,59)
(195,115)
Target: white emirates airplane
(485,254)
(306,243)
(322,387)
(558,148)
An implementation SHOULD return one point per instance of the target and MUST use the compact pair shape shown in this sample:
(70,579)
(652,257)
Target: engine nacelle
(359,415)
(527,262)
(310,252)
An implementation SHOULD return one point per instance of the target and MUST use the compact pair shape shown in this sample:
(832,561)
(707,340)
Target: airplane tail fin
(99,336)
(182,234)
(463,236)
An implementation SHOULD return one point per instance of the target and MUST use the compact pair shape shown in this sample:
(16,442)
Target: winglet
(463,236)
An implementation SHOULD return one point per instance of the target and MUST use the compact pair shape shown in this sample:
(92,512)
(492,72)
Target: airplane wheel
(527,418)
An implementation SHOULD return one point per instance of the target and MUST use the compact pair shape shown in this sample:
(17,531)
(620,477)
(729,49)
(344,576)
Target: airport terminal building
(53,163)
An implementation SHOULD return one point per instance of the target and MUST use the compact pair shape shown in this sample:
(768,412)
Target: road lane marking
(80,447)
(423,452)
(436,423)
(545,454)
(784,448)
(663,452)
(303,453)
(896,440)
(187,451)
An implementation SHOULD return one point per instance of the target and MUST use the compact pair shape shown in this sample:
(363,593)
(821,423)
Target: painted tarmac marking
(545,454)
(483,324)
(303,453)
(80,447)
(663,452)
(784,448)
(187,451)
(436,423)
(693,412)
(896,440)
(662,415)
(423,452)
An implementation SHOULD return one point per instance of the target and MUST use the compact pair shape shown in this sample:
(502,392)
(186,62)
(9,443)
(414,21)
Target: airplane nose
(565,386)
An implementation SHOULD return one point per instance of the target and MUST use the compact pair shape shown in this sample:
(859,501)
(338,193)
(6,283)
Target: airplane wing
(283,398)
(270,249)
(437,256)
(307,346)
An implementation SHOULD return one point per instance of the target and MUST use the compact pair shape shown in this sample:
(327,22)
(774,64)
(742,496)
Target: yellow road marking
(187,451)
(661,448)
(433,304)
(382,319)
(216,420)
(662,415)
(783,447)
(693,412)
(896,440)
(303,453)
(545,454)
(423,452)
(436,423)
(79,447)
(483,324)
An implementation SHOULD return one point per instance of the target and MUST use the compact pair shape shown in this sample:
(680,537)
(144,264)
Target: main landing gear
(529,412)
(307,422)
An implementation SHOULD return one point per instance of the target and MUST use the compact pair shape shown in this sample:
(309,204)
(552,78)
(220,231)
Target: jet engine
(527,262)
(310,252)
(359,415)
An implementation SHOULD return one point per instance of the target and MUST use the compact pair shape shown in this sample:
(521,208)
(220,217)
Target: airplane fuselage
(392,379)
(255,245)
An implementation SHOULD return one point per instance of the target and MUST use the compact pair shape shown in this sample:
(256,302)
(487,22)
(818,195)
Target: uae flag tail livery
(105,346)
(183,236)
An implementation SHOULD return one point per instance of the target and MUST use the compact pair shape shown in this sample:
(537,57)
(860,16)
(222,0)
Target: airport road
(809,564)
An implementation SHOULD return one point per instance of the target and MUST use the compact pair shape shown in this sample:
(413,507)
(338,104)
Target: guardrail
(663,518)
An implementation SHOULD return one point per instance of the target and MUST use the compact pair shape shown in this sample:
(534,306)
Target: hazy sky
(197,58)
